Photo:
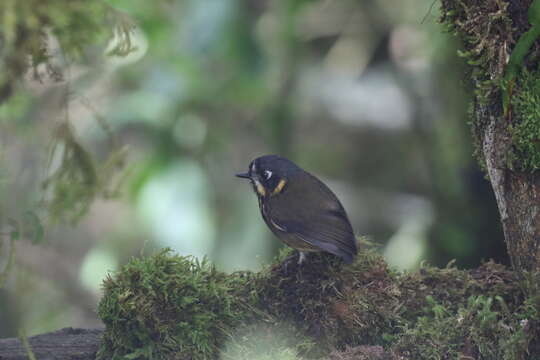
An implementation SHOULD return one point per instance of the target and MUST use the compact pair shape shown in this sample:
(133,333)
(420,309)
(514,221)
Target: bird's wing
(311,212)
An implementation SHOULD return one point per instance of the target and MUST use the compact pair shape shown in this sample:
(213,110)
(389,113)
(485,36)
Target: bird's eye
(267,174)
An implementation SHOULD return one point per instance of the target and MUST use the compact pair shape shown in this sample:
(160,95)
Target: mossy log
(171,307)
(167,306)
(502,49)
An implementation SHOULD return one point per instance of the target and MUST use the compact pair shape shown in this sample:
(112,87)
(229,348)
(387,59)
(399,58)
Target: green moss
(520,51)
(324,301)
(167,307)
(483,27)
(483,328)
(525,125)
(264,341)
(171,307)
(491,30)
(481,314)
(303,296)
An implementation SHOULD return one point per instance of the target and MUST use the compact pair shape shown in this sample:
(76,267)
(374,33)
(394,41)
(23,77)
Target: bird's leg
(302,257)
(287,262)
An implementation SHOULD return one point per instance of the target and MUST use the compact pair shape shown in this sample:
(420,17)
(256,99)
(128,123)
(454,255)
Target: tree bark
(67,343)
(490,30)
(517,193)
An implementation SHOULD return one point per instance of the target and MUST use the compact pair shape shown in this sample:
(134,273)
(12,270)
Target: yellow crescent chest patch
(260,189)
(279,187)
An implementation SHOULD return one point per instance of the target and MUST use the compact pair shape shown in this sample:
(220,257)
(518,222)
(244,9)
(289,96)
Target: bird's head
(269,174)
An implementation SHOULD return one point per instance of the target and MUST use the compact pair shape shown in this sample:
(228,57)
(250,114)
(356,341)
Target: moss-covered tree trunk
(517,193)
(506,110)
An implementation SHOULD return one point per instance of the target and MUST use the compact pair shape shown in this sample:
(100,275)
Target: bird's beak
(244,175)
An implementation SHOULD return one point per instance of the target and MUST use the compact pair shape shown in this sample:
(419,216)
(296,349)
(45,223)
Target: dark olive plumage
(300,209)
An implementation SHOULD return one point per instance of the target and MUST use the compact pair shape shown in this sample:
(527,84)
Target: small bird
(300,209)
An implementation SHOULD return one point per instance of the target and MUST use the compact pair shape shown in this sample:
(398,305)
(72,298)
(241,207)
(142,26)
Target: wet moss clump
(172,307)
(167,307)
(481,328)
(323,298)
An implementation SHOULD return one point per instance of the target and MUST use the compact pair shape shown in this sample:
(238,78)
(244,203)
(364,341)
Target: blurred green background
(122,153)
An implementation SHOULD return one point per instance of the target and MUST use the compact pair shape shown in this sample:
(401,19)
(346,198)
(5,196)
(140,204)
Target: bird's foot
(288,264)
(291,264)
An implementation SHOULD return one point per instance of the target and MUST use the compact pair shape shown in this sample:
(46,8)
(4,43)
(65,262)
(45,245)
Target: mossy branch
(171,307)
